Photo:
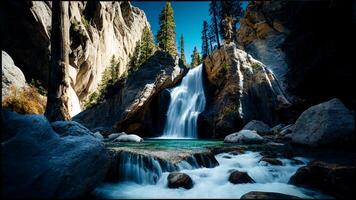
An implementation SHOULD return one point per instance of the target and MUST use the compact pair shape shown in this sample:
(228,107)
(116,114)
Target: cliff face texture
(98,30)
(304,43)
(238,89)
(139,103)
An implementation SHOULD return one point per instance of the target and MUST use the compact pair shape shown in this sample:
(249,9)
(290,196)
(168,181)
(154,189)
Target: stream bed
(210,182)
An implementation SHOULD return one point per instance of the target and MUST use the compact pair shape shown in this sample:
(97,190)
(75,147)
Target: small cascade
(145,169)
(187,102)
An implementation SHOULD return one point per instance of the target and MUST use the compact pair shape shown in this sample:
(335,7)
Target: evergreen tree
(214,13)
(230,14)
(135,57)
(212,38)
(205,38)
(182,55)
(146,47)
(166,36)
(196,60)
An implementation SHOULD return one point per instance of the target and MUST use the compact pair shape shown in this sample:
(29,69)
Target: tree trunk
(216,27)
(58,83)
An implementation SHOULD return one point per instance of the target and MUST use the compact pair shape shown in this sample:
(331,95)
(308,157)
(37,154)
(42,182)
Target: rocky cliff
(139,103)
(238,89)
(98,31)
(303,43)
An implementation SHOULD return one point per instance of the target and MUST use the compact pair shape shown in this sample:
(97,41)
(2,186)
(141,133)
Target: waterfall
(187,102)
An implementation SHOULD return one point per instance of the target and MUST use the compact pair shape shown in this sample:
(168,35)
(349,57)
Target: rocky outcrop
(258,126)
(244,137)
(267,195)
(333,179)
(326,124)
(98,31)
(136,105)
(237,87)
(237,177)
(38,162)
(301,49)
(11,75)
(177,180)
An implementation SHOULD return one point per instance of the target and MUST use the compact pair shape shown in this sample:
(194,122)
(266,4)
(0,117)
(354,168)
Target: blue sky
(188,16)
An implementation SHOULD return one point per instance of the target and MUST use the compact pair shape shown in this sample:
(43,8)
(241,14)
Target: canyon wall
(305,44)
(98,31)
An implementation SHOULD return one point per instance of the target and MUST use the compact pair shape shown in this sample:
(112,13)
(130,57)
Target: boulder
(244,137)
(38,162)
(177,180)
(258,126)
(286,130)
(267,195)
(128,138)
(276,129)
(333,179)
(98,135)
(113,136)
(105,131)
(237,177)
(66,128)
(326,124)
(271,161)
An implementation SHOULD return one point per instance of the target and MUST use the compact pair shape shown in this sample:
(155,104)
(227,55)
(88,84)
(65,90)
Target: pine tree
(212,38)
(196,60)
(230,14)
(166,36)
(134,58)
(182,55)
(204,37)
(214,13)
(146,47)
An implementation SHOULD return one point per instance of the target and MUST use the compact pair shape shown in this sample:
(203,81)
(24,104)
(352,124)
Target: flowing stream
(213,182)
(187,102)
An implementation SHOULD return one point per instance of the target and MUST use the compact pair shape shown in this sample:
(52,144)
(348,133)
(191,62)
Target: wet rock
(276,129)
(260,127)
(113,136)
(38,162)
(326,124)
(237,177)
(333,179)
(267,195)
(244,137)
(271,161)
(128,138)
(177,180)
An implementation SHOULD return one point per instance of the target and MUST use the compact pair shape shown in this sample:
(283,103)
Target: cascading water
(187,102)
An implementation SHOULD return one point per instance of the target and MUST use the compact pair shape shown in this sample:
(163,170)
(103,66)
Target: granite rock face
(301,49)
(98,31)
(236,88)
(134,105)
(11,75)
